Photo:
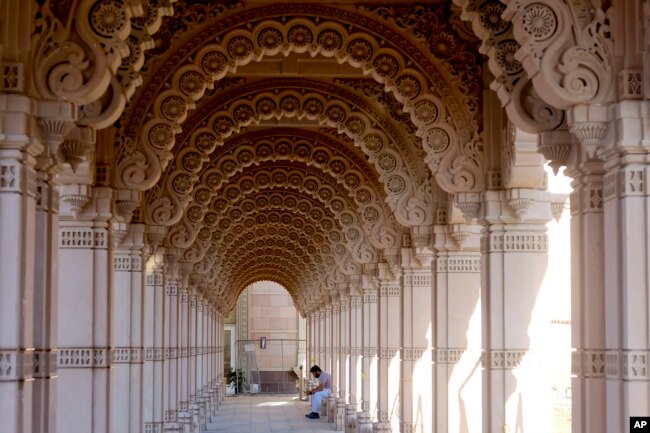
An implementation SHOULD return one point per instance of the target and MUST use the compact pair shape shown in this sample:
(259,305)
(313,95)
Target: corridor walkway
(266,414)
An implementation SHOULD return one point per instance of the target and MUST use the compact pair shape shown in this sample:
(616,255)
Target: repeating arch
(328,166)
(405,200)
(309,182)
(239,47)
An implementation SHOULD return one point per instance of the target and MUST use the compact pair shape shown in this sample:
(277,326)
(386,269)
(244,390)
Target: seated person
(320,392)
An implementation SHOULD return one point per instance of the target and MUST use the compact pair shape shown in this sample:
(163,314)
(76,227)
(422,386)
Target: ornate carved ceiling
(293,142)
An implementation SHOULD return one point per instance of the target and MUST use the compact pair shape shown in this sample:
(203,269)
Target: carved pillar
(45,294)
(417,329)
(170,341)
(192,384)
(303,333)
(154,294)
(627,263)
(321,338)
(125,321)
(588,382)
(184,417)
(199,381)
(344,358)
(139,256)
(457,329)
(335,345)
(514,260)
(327,337)
(370,341)
(84,317)
(356,352)
(389,325)
(17,236)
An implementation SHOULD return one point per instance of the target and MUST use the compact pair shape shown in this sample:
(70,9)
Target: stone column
(45,295)
(321,337)
(17,237)
(126,320)
(388,323)
(84,316)
(139,255)
(588,382)
(335,345)
(219,355)
(514,260)
(327,337)
(627,263)
(417,329)
(303,333)
(457,329)
(344,358)
(370,343)
(200,360)
(356,345)
(154,294)
(184,416)
(192,384)
(170,341)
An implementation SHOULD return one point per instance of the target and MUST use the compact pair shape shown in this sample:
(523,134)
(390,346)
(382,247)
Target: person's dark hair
(314,369)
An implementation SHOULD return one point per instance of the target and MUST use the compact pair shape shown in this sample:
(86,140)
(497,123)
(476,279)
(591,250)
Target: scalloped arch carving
(454,152)
(181,177)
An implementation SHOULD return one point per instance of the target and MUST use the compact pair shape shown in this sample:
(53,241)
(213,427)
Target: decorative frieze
(448,356)
(369,296)
(610,183)
(356,302)
(390,291)
(13,80)
(459,264)
(76,238)
(153,354)
(388,352)
(370,351)
(170,416)
(44,363)
(153,427)
(356,351)
(588,363)
(16,365)
(413,353)
(632,182)
(9,177)
(121,263)
(518,242)
(506,359)
(171,289)
(83,357)
(417,279)
(121,355)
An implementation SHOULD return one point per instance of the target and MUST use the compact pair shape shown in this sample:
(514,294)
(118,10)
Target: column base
(171,427)
(152,427)
(382,427)
(351,418)
(340,414)
(331,408)
(364,423)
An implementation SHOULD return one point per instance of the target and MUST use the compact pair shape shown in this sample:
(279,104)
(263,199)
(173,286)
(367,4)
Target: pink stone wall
(273,315)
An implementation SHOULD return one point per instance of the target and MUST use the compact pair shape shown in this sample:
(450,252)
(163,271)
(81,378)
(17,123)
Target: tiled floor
(266,413)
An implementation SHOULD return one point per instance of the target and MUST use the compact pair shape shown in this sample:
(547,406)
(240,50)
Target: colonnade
(101,328)
(436,338)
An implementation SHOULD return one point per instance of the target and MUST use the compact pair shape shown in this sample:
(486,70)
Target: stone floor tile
(265,414)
